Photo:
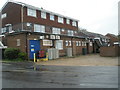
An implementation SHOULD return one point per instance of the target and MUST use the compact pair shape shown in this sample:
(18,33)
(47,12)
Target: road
(23,75)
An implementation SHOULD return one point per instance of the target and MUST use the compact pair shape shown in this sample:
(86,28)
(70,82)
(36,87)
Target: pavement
(83,60)
(60,77)
(37,75)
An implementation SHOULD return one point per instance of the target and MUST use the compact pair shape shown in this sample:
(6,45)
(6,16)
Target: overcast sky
(99,16)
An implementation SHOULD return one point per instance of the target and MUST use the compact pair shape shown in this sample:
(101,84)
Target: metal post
(34,58)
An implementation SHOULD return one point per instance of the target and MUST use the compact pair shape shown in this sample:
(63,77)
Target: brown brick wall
(112,39)
(111,51)
(47,21)
(12,42)
(13,14)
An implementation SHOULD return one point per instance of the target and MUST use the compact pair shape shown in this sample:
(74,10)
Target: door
(87,48)
(34,47)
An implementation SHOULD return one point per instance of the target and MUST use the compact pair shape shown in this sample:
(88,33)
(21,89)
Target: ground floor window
(18,42)
(90,43)
(47,43)
(59,44)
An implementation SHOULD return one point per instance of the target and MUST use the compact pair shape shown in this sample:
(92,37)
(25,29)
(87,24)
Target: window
(3,30)
(70,44)
(90,43)
(31,12)
(47,43)
(75,32)
(43,15)
(70,33)
(66,43)
(18,42)
(67,21)
(59,44)
(55,30)
(39,28)
(82,43)
(74,23)
(4,16)
(52,17)
(60,19)
(77,43)
(63,30)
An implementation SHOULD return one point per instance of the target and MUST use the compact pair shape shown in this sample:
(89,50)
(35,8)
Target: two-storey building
(31,29)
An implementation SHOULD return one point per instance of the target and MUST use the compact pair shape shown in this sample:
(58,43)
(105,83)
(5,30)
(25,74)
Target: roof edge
(37,8)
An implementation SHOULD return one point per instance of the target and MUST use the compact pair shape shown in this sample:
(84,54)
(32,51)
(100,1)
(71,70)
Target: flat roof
(37,8)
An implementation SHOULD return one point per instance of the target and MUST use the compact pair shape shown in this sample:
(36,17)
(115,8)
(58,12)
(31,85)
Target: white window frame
(67,21)
(18,42)
(56,30)
(70,43)
(43,15)
(4,15)
(52,17)
(60,20)
(31,12)
(91,44)
(66,43)
(3,30)
(85,44)
(39,28)
(59,44)
(70,33)
(79,43)
(74,23)
(47,43)
(82,43)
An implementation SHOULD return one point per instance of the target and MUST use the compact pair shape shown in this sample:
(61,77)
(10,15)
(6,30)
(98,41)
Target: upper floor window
(43,15)
(56,30)
(3,30)
(31,12)
(52,17)
(67,21)
(60,19)
(39,28)
(74,23)
(4,16)
(70,33)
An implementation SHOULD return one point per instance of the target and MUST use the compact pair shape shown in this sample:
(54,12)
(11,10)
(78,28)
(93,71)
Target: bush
(22,56)
(11,53)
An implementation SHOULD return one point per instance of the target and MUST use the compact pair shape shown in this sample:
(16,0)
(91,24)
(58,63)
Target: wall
(111,51)
(112,39)
(13,14)
(47,21)
(11,41)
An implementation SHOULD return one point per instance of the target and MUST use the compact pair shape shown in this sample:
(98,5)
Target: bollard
(34,58)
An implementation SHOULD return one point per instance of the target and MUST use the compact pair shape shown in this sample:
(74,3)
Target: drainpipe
(22,13)
(26,43)
(72,45)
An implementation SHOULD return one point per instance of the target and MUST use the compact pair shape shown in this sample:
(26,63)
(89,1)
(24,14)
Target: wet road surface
(23,75)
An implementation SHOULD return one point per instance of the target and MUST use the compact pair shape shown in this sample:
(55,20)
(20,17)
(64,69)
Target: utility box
(53,53)
(69,52)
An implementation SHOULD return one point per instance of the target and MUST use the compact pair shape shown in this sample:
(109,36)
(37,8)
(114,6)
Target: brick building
(31,29)
(113,39)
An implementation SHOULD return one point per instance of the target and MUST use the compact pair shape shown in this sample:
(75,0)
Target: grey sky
(99,16)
